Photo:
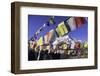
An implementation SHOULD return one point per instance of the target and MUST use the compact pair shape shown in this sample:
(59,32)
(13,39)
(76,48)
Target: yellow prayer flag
(64,27)
(40,41)
(61,29)
(85,45)
(58,31)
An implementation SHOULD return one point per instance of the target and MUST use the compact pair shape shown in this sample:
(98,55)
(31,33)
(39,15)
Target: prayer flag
(62,29)
(85,45)
(31,44)
(45,39)
(58,32)
(71,23)
(54,36)
(49,37)
(51,21)
(79,21)
(40,41)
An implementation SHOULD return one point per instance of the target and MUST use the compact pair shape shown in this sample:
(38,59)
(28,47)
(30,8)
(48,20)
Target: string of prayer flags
(51,21)
(63,28)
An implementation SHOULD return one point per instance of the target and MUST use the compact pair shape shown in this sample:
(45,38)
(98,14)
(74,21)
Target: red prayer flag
(79,21)
(49,34)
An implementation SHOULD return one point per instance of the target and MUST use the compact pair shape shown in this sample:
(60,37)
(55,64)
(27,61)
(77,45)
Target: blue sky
(36,21)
